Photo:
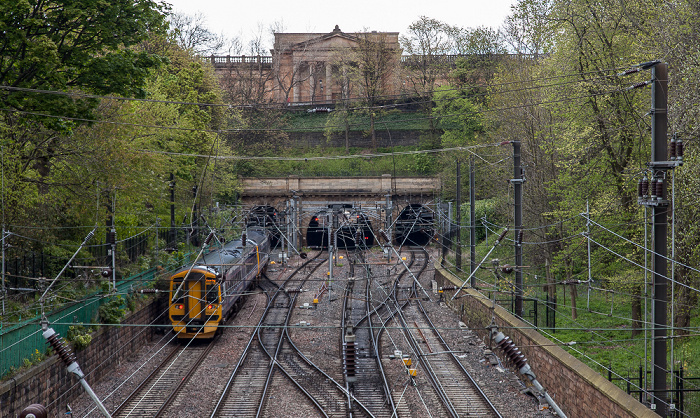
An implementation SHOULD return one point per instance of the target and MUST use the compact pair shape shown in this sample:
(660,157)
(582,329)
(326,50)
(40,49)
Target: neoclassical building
(315,68)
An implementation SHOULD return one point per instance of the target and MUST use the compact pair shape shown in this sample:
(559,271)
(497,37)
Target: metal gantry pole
(518,195)
(389,209)
(458,247)
(659,150)
(171,234)
(472,220)
(298,219)
(3,269)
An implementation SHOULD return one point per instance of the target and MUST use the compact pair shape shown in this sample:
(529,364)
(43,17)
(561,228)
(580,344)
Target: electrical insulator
(34,411)
(112,236)
(510,350)
(106,273)
(507,269)
(660,189)
(640,193)
(244,238)
(672,148)
(645,187)
(520,237)
(208,239)
(384,236)
(679,149)
(60,346)
(652,189)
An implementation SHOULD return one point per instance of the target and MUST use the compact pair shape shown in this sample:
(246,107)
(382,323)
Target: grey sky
(242,18)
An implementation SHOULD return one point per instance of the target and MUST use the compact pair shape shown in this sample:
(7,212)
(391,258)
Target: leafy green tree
(598,125)
(530,28)
(676,36)
(428,42)
(81,44)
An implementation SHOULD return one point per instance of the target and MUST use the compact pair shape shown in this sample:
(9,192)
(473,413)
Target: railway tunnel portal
(380,198)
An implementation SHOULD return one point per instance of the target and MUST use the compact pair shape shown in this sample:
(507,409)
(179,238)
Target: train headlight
(179,306)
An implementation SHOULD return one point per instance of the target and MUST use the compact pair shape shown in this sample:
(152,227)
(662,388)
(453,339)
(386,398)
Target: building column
(329,85)
(312,84)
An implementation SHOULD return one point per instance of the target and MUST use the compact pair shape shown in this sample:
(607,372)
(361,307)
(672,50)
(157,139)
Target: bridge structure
(298,199)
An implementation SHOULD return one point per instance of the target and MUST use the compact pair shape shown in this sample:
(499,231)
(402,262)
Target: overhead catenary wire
(233,130)
(78,94)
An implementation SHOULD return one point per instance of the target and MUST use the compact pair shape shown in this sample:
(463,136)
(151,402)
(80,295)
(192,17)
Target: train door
(194,298)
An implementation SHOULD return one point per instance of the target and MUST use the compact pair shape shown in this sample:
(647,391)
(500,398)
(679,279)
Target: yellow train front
(205,295)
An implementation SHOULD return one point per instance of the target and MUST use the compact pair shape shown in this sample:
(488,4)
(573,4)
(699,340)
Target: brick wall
(576,388)
(51,385)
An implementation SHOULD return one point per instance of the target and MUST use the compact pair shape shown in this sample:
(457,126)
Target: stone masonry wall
(576,388)
(51,385)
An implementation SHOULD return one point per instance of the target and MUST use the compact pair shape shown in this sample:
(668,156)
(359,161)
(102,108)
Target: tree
(428,41)
(481,53)
(599,145)
(676,36)
(68,47)
(77,45)
(374,63)
(530,27)
(191,33)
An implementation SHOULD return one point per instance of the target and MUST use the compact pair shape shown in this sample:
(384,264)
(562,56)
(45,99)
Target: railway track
(272,351)
(152,397)
(244,391)
(369,384)
(459,392)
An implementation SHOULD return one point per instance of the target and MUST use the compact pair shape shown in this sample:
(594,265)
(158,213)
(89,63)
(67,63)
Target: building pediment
(334,40)
(327,41)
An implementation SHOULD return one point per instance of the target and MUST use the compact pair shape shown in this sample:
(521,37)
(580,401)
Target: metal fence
(21,341)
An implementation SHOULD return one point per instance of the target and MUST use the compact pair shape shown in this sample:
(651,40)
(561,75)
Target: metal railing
(21,341)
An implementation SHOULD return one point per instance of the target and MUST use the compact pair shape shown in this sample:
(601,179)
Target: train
(204,295)
(267,217)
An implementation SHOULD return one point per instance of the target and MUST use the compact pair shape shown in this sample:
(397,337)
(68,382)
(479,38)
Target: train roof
(230,253)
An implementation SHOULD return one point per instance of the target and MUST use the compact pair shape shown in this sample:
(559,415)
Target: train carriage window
(180,295)
(211,291)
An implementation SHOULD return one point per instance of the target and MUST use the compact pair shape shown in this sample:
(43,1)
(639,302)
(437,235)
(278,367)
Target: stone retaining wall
(576,388)
(51,385)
